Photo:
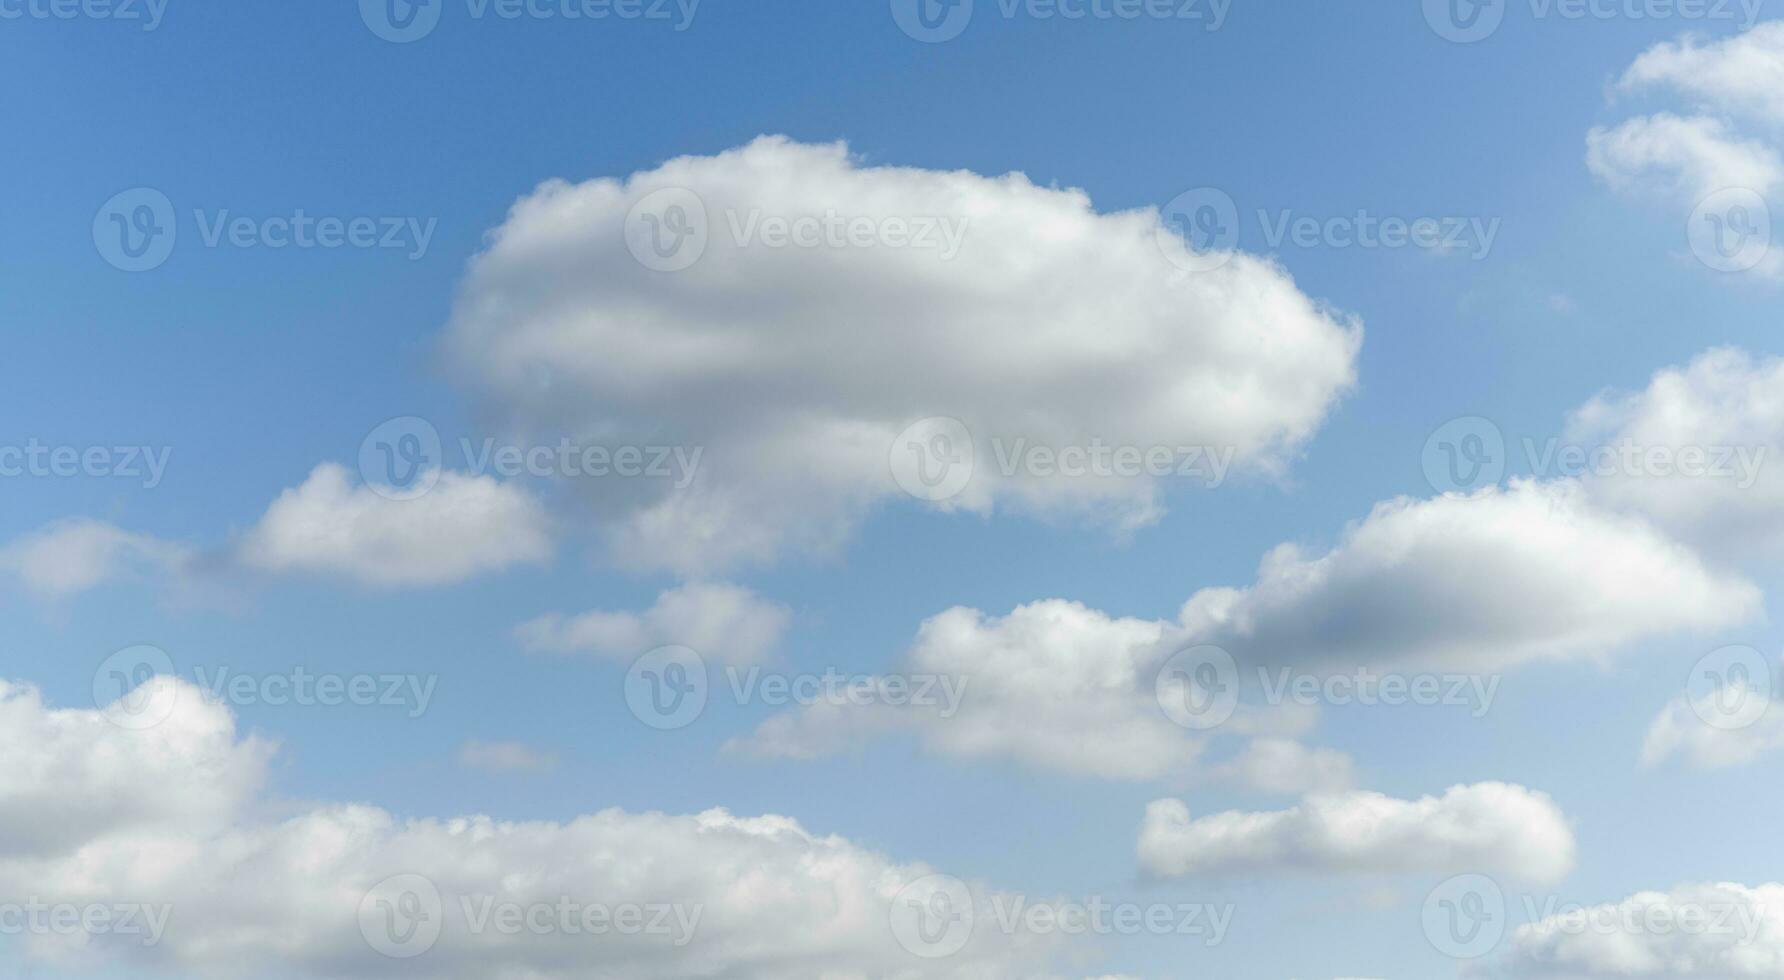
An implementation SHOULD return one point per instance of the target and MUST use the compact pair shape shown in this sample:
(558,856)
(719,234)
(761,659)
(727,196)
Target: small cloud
(504,757)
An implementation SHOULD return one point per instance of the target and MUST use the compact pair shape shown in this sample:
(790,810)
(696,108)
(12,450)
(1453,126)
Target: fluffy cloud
(724,622)
(1730,140)
(1727,408)
(68,776)
(70,557)
(1495,828)
(1477,582)
(797,368)
(1053,685)
(1693,932)
(331,525)
(88,813)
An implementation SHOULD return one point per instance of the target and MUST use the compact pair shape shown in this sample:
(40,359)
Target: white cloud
(1730,138)
(1478,582)
(1726,406)
(503,757)
(67,776)
(1494,828)
(1743,73)
(727,623)
(1683,728)
(1683,157)
(88,812)
(332,526)
(1054,685)
(797,368)
(70,557)
(1693,932)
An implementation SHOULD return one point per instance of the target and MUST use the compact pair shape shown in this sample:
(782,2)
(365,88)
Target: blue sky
(255,365)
